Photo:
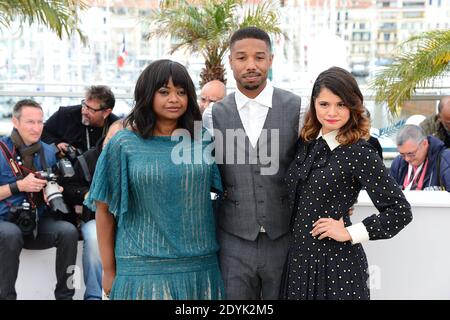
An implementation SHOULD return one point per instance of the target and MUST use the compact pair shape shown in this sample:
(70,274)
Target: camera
(51,190)
(72,153)
(64,168)
(64,165)
(24,217)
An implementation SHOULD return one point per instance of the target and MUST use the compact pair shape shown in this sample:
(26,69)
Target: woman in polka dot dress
(333,163)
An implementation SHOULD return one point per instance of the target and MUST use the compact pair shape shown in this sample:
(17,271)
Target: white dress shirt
(207,118)
(358,232)
(253,113)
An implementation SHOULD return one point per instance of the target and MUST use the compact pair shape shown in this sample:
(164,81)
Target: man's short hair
(251,33)
(103,94)
(17,110)
(441,103)
(410,132)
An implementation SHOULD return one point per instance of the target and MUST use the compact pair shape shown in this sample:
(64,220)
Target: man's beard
(252,87)
(85,121)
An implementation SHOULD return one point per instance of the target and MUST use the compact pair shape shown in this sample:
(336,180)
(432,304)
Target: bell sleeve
(110,181)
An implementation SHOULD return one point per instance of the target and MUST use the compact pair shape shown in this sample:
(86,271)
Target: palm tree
(60,16)
(206,26)
(425,58)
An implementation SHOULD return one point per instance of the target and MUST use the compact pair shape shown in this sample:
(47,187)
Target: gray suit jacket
(254,178)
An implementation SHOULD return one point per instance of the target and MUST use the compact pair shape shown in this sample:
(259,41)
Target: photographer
(76,129)
(81,126)
(25,219)
(76,189)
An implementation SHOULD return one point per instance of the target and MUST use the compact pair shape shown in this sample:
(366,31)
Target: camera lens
(26,221)
(55,198)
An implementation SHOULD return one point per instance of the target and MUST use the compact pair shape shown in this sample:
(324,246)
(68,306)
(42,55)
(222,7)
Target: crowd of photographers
(45,175)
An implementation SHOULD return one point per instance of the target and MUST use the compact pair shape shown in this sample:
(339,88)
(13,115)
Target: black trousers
(51,233)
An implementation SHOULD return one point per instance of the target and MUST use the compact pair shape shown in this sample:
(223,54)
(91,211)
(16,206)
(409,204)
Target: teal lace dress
(159,192)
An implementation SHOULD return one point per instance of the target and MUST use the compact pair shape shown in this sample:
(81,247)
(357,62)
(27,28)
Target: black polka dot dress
(325,184)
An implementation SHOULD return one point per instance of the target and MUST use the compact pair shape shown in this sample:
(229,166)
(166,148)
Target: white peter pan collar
(330,139)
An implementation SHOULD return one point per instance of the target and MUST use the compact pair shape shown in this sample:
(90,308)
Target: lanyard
(88,141)
(416,182)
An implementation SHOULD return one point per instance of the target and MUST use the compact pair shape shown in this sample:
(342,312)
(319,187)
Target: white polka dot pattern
(325,184)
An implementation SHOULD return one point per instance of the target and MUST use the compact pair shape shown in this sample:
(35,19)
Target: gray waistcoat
(256,194)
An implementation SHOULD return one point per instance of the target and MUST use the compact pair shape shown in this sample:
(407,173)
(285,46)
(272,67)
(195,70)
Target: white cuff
(358,232)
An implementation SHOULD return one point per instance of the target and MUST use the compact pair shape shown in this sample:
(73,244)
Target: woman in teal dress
(151,189)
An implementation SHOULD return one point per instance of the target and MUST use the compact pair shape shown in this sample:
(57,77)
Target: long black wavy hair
(142,118)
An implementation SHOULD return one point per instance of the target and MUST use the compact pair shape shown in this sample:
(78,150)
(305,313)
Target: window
(388,25)
(387,15)
(356,36)
(413,14)
(144,13)
(413,4)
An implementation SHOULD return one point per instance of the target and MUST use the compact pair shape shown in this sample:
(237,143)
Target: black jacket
(77,186)
(65,126)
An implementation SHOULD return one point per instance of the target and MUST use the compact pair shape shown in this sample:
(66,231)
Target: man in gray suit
(255,130)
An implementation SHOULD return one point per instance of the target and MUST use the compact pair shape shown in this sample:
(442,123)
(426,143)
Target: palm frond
(424,60)
(207,25)
(264,15)
(60,16)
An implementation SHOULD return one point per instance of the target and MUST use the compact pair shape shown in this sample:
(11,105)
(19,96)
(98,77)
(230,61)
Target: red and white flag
(123,54)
